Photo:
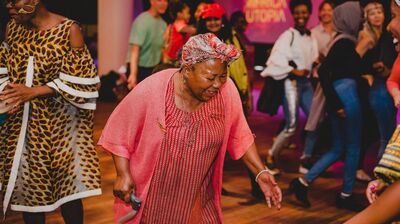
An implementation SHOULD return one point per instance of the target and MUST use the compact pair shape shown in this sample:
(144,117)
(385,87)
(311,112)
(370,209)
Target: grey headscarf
(347,19)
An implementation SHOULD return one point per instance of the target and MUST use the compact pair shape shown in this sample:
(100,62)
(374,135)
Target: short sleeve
(138,32)
(3,66)
(240,135)
(77,81)
(125,124)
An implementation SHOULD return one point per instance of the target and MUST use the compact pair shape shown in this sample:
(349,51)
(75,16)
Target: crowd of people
(189,101)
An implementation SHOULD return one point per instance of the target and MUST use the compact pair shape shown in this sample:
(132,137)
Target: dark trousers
(143,72)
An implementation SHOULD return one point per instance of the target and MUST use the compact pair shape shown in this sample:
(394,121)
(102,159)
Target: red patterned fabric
(181,190)
(203,47)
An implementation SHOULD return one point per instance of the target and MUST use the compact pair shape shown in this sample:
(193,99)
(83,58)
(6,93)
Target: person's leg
(255,188)
(299,186)
(72,212)
(383,210)
(385,112)
(353,128)
(291,104)
(369,133)
(143,73)
(332,155)
(306,97)
(34,218)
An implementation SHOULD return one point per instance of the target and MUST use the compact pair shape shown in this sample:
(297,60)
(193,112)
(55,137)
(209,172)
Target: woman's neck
(152,11)
(41,19)
(378,29)
(185,99)
(328,27)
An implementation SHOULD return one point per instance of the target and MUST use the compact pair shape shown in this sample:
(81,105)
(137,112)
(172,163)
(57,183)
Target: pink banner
(267,18)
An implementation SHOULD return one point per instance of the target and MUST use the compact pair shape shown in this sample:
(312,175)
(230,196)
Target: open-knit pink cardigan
(135,131)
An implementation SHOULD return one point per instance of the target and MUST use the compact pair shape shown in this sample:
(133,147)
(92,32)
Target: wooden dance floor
(99,210)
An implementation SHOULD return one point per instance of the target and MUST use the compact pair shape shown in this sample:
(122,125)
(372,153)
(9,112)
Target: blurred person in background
(292,59)
(324,33)
(146,42)
(178,32)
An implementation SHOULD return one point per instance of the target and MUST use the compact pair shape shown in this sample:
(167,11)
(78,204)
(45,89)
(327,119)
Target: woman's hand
(271,190)
(132,82)
(341,113)
(17,95)
(369,78)
(374,188)
(300,72)
(365,42)
(382,69)
(123,187)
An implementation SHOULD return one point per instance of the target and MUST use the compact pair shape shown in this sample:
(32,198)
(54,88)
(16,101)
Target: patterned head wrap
(203,47)
(212,10)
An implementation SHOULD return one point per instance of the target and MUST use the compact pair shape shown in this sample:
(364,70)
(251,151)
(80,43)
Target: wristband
(263,171)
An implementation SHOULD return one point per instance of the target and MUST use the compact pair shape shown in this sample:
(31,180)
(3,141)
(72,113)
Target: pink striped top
(181,189)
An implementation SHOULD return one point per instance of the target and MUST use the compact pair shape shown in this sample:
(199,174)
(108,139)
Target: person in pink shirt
(169,137)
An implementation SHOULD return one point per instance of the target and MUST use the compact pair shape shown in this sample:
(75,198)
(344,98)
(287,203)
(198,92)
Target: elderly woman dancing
(169,137)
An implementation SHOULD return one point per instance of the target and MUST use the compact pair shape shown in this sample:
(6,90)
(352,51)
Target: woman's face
(375,14)
(213,24)
(159,5)
(185,14)
(301,15)
(394,25)
(205,79)
(326,13)
(21,10)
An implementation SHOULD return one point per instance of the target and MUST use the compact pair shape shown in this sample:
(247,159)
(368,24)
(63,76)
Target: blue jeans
(385,112)
(346,136)
(298,94)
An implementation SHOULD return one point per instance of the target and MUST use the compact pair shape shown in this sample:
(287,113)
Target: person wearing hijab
(169,137)
(383,193)
(291,60)
(338,76)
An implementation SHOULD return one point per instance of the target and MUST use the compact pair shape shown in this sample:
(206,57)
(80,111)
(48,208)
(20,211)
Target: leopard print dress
(47,153)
